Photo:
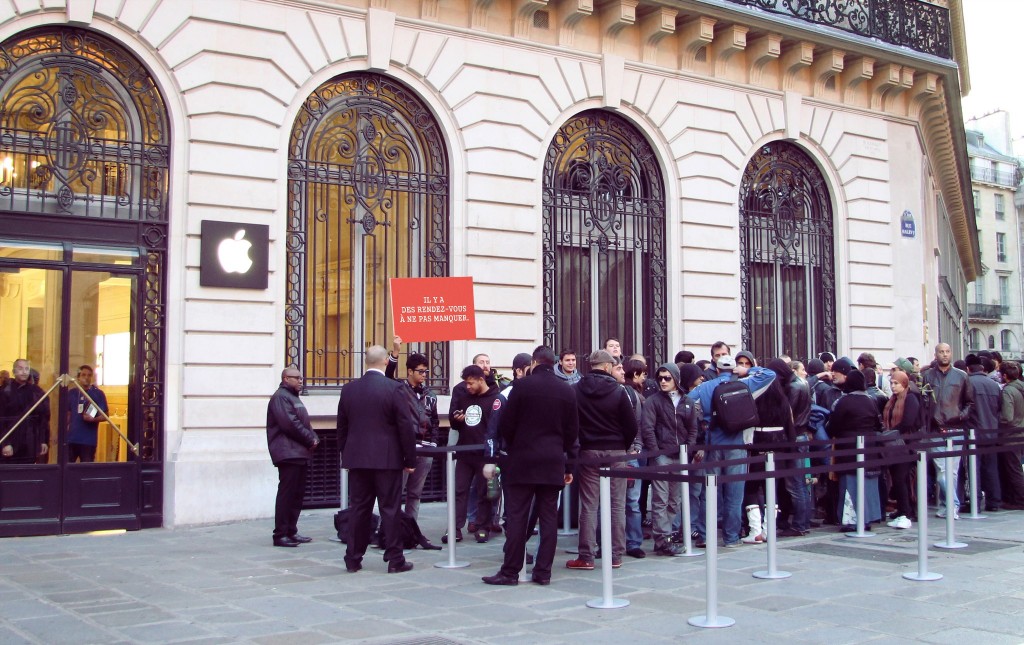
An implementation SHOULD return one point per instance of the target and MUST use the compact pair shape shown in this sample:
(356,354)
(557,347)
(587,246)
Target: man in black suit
(538,429)
(377,435)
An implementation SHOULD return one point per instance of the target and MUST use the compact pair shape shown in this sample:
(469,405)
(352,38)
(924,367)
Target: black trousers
(364,486)
(518,500)
(83,453)
(291,486)
(1012,476)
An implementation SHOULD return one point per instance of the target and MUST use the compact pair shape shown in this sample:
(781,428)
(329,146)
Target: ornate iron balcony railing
(978,311)
(1001,177)
(916,24)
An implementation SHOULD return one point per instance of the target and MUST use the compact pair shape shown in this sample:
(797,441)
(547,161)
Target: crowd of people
(551,424)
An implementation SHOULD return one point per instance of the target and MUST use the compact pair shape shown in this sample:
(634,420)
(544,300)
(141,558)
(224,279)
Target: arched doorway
(604,238)
(84,151)
(368,201)
(787,273)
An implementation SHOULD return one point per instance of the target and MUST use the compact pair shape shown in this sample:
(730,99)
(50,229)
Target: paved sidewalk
(227,584)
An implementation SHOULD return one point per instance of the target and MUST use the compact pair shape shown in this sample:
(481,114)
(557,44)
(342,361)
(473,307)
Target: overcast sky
(994,32)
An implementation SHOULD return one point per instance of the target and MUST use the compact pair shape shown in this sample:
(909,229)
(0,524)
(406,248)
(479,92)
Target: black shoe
(302,539)
(285,541)
(697,541)
(481,536)
(427,545)
(636,552)
(352,567)
(458,536)
(668,549)
(541,581)
(790,532)
(529,558)
(400,568)
(498,579)
(992,509)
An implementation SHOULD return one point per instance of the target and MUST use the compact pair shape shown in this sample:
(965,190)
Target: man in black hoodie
(470,410)
(607,430)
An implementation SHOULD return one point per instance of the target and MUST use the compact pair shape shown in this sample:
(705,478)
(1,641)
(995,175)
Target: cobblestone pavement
(227,584)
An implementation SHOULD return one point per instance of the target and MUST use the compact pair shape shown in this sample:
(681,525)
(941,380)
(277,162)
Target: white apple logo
(233,254)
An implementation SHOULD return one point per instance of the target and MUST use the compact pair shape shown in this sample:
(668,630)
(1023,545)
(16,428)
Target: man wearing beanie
(669,421)
(607,430)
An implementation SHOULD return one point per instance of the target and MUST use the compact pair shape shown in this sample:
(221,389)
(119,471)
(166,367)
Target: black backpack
(733,408)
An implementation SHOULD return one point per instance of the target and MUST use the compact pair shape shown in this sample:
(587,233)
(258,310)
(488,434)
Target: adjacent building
(995,313)
(785,176)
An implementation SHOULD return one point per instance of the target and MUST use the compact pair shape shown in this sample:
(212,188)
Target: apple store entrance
(68,467)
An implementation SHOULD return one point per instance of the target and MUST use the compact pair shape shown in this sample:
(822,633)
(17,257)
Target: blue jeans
(730,494)
(799,493)
(634,532)
(940,474)
(697,506)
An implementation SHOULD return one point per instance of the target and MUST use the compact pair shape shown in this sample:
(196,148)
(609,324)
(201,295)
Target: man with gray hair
(377,437)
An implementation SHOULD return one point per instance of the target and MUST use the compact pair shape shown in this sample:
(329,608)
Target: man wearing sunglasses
(417,369)
(291,441)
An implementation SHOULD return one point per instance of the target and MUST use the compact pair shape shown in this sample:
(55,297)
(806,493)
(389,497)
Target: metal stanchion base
(979,516)
(928,577)
(451,565)
(613,603)
(950,545)
(567,532)
(691,554)
(865,534)
(719,621)
(767,575)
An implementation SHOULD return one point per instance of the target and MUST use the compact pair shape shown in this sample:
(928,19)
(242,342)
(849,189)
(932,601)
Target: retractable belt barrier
(854,454)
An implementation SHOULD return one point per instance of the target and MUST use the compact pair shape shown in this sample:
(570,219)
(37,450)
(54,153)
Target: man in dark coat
(984,419)
(539,429)
(377,437)
(29,442)
(291,442)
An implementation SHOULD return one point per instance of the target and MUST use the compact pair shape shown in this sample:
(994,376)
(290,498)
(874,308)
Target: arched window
(787,277)
(604,238)
(1006,340)
(975,339)
(991,342)
(84,152)
(368,201)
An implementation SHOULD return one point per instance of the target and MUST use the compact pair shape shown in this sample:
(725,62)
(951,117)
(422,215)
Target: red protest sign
(431,309)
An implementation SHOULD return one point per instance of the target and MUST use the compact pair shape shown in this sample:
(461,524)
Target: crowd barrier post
(922,574)
(606,601)
(450,563)
(566,516)
(951,509)
(769,493)
(686,527)
(711,619)
(860,533)
(344,488)
(972,469)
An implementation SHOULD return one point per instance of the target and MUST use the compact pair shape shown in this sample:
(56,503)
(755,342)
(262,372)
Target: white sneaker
(942,513)
(900,522)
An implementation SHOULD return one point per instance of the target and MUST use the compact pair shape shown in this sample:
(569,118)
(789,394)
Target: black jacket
(987,402)
(30,435)
(426,412)
(666,426)
(953,395)
(606,415)
(289,434)
(799,396)
(539,429)
(376,425)
(854,414)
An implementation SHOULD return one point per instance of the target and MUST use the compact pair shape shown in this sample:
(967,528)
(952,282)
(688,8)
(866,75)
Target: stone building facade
(670,173)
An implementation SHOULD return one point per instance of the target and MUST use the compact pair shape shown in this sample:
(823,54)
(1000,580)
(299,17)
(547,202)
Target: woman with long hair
(776,417)
(901,413)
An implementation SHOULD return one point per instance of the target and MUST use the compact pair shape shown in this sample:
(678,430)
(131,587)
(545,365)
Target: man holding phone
(84,417)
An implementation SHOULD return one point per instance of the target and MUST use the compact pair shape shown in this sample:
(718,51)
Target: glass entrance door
(70,465)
